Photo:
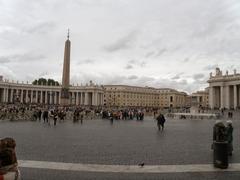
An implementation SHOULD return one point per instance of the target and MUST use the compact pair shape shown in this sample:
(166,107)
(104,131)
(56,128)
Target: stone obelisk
(66,74)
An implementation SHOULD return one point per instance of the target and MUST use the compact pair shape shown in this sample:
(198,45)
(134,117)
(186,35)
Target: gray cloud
(145,79)
(122,43)
(132,63)
(160,52)
(104,78)
(4,60)
(210,67)
(149,54)
(176,77)
(43,74)
(143,64)
(129,66)
(198,76)
(86,61)
(22,58)
(41,27)
(186,60)
(132,77)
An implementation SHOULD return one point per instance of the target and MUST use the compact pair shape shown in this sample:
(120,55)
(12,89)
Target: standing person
(81,116)
(160,121)
(229,133)
(45,115)
(111,118)
(55,115)
(39,114)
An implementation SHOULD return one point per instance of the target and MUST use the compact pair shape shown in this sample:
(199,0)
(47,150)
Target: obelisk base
(64,97)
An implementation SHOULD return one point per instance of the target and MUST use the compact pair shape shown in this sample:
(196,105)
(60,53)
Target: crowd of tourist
(43,113)
(18,112)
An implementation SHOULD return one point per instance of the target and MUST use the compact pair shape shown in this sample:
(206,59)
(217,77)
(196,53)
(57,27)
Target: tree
(45,82)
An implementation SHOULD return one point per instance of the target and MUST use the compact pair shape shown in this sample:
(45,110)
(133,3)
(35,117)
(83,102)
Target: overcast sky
(159,43)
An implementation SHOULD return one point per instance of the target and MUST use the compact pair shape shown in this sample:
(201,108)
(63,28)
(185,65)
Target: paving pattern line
(125,168)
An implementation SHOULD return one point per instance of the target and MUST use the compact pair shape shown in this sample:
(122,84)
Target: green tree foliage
(45,82)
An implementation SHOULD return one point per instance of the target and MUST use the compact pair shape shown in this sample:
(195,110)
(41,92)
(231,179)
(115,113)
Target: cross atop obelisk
(66,73)
(68,34)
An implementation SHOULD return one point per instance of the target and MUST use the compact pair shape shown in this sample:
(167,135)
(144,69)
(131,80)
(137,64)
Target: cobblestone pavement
(122,143)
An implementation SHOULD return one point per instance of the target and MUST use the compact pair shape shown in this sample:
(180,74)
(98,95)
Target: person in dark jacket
(55,116)
(229,134)
(219,131)
(160,121)
(45,115)
(39,114)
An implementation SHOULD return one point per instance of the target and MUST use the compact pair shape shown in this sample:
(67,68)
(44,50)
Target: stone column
(31,96)
(77,100)
(26,97)
(3,98)
(70,97)
(36,96)
(81,98)
(46,96)
(59,97)
(21,100)
(222,94)
(86,99)
(227,97)
(235,96)
(17,95)
(50,97)
(74,98)
(41,97)
(97,99)
(11,95)
(55,97)
(93,99)
(211,97)
(6,94)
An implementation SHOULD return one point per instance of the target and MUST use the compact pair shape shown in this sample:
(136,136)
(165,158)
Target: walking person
(229,133)
(55,116)
(160,121)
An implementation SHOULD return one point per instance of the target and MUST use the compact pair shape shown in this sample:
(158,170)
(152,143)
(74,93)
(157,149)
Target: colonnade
(10,95)
(86,98)
(47,96)
(224,96)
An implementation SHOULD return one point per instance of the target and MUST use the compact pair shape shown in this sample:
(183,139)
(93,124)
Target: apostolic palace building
(223,92)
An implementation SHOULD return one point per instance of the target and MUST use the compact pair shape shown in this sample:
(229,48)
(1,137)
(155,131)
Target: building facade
(12,92)
(133,96)
(201,98)
(224,90)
